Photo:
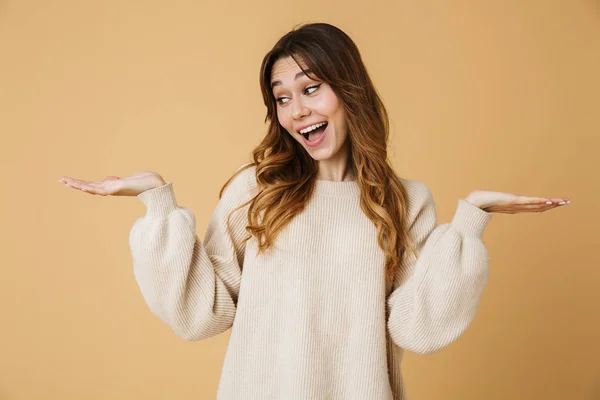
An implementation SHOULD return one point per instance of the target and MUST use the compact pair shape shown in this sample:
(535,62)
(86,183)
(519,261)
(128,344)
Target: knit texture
(311,318)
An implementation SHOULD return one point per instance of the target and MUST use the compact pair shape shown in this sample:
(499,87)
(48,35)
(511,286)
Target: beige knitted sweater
(311,319)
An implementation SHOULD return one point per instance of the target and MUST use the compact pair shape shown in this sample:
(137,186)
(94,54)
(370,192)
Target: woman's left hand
(509,203)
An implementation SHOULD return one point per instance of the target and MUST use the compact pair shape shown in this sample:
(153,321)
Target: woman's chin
(320,154)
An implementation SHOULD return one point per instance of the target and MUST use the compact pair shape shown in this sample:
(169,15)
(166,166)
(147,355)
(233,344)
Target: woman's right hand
(114,186)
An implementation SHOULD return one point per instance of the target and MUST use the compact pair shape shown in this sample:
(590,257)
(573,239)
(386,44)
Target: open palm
(115,186)
(510,203)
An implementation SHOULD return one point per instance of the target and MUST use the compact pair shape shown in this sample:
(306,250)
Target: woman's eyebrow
(298,75)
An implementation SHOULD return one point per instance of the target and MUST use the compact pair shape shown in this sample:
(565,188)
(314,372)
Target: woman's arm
(436,295)
(191,285)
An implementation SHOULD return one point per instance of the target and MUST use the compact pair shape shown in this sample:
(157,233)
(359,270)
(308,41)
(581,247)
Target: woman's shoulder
(418,193)
(416,188)
(248,171)
(243,181)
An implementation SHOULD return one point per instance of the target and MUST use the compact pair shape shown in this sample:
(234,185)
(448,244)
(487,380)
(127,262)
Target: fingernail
(568,201)
(548,202)
(562,202)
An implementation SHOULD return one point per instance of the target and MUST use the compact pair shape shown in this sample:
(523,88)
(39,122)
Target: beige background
(489,95)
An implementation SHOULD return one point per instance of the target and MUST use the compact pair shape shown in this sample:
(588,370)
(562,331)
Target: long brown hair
(285,172)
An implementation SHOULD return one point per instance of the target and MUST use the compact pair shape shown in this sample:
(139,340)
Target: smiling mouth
(317,131)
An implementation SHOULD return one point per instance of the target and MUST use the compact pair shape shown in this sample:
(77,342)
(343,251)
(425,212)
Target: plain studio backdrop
(500,96)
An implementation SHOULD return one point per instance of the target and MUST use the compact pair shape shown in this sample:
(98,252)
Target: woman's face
(303,103)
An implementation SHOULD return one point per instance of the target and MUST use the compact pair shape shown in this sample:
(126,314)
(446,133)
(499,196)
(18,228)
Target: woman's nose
(300,110)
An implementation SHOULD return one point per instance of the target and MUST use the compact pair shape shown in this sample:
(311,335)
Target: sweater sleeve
(435,296)
(191,285)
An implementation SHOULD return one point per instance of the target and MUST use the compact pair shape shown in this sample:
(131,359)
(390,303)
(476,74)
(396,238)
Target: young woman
(324,262)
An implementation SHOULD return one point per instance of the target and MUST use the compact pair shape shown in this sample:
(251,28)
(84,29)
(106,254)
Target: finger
(67,181)
(549,201)
(540,208)
(533,200)
(73,182)
(535,207)
(78,184)
(90,189)
(559,200)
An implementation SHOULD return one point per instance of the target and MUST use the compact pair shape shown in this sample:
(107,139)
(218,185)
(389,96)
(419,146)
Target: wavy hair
(285,172)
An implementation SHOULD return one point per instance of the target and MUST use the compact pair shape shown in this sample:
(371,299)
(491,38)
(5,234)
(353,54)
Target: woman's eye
(308,90)
(315,87)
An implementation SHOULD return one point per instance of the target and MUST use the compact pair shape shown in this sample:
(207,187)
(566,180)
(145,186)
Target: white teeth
(312,127)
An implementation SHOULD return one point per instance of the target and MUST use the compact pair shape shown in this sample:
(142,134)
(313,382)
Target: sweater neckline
(337,188)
